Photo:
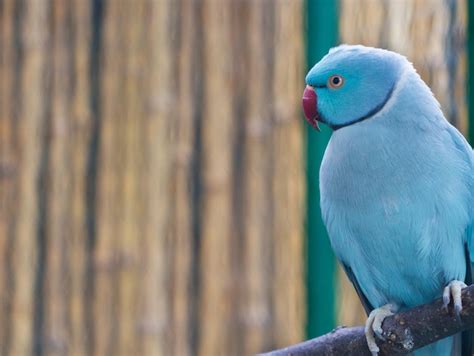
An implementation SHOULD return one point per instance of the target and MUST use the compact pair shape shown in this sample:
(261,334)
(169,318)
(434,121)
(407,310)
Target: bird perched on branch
(397,185)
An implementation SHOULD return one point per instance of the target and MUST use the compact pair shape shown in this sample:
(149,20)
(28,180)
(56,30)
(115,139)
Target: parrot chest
(383,203)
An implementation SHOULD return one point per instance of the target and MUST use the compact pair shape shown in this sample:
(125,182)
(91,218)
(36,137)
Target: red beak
(310,107)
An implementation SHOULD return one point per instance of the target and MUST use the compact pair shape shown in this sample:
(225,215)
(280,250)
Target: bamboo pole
(29,113)
(79,306)
(58,185)
(217,142)
(130,272)
(288,185)
(8,168)
(256,310)
(183,181)
(154,305)
(109,184)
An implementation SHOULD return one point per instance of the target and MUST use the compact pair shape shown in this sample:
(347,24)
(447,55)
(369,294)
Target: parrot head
(350,84)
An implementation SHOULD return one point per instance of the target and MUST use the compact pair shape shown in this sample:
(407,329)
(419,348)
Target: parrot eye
(335,81)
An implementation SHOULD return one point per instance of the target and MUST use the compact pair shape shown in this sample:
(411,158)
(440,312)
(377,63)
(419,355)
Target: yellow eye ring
(335,81)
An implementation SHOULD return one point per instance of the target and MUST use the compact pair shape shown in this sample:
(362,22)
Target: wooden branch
(403,332)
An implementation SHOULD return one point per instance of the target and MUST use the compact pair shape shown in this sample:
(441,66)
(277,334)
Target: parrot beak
(310,107)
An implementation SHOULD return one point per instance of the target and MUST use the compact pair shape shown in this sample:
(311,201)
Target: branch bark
(404,332)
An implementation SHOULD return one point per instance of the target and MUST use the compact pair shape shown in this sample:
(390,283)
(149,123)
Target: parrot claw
(373,325)
(454,289)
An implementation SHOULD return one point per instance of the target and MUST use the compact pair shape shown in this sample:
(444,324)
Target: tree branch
(404,332)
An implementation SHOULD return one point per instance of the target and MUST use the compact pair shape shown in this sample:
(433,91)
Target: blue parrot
(396,186)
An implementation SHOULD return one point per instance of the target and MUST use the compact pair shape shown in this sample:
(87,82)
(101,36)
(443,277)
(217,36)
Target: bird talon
(445,300)
(377,326)
(453,289)
(373,326)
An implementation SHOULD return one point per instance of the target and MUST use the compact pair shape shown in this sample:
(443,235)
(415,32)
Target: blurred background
(158,186)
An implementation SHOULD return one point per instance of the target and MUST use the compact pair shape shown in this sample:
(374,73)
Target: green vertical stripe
(470,59)
(322,34)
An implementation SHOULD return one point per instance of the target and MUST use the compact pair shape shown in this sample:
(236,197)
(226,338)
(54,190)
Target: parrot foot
(454,289)
(373,325)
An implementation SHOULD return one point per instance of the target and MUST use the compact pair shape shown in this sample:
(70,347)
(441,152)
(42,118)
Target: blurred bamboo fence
(151,177)
(431,33)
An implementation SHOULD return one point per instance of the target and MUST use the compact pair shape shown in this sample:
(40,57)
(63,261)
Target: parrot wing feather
(365,302)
